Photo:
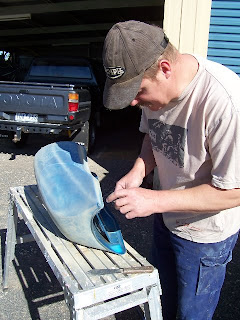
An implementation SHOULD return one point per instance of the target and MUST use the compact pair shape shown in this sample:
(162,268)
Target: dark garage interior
(71,28)
(52,28)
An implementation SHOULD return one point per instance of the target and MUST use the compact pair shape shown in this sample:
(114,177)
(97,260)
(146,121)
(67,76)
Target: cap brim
(119,95)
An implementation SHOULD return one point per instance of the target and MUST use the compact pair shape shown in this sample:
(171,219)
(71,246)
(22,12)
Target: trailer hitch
(17,135)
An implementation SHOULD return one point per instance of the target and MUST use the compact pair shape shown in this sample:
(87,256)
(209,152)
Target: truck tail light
(73,99)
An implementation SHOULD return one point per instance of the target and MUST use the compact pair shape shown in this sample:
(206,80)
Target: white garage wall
(186,23)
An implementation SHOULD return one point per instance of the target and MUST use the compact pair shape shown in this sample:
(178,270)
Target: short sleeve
(224,147)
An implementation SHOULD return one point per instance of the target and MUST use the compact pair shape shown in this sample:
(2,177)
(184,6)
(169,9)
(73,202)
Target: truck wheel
(86,135)
(92,136)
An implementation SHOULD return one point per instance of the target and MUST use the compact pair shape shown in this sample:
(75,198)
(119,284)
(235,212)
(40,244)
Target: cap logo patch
(114,72)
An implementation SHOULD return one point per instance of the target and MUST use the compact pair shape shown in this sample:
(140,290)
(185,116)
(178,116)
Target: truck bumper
(6,128)
(37,127)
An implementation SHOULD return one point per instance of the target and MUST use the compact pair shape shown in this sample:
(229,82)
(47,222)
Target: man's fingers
(125,209)
(116,195)
(130,215)
(123,202)
(112,197)
(120,202)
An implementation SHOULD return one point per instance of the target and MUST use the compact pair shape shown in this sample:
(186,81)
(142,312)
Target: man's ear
(165,68)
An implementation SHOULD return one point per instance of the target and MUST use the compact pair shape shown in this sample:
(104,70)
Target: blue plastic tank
(73,197)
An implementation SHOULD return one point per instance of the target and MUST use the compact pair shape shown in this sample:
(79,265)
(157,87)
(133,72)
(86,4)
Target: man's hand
(139,202)
(134,202)
(130,180)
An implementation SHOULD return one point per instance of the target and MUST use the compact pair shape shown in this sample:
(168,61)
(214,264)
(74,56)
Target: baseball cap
(130,48)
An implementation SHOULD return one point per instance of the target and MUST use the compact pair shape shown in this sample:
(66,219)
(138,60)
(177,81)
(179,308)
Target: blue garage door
(224,35)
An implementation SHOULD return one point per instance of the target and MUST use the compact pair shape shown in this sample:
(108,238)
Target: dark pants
(191,273)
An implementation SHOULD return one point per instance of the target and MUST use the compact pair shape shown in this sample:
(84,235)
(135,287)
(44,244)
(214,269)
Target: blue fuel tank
(73,197)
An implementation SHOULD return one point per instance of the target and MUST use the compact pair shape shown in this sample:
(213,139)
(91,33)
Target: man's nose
(134,102)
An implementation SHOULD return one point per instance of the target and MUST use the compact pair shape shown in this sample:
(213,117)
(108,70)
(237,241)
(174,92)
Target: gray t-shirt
(196,140)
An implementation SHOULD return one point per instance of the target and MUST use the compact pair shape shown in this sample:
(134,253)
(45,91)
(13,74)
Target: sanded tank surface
(73,197)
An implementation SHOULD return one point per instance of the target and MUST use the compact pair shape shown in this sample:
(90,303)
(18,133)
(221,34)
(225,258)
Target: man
(191,121)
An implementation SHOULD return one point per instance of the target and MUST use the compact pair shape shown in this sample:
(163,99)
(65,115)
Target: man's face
(152,94)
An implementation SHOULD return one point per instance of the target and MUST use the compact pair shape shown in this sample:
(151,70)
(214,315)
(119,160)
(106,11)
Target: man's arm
(146,156)
(202,198)
(142,167)
(139,202)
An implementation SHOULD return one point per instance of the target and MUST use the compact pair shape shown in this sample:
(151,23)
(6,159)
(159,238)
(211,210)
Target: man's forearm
(145,163)
(140,202)
(203,198)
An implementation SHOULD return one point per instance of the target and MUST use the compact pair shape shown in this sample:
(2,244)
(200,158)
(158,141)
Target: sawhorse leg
(10,240)
(152,309)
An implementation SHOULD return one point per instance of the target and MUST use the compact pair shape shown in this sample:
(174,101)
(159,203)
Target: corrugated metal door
(224,34)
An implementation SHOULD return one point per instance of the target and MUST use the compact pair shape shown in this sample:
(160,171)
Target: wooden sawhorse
(89,296)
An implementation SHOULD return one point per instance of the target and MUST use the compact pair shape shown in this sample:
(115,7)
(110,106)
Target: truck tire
(86,135)
(92,136)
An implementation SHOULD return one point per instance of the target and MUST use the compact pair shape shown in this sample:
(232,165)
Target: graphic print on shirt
(169,140)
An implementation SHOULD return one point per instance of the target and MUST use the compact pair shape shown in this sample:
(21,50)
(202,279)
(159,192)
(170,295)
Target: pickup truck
(57,96)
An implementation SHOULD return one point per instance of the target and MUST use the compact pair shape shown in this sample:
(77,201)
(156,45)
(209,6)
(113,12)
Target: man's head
(130,49)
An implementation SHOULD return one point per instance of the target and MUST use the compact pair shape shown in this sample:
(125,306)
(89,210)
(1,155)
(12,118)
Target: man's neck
(186,70)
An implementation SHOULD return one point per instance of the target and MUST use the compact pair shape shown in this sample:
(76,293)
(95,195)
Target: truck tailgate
(37,98)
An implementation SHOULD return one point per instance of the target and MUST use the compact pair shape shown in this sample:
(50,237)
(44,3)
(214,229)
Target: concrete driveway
(34,292)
